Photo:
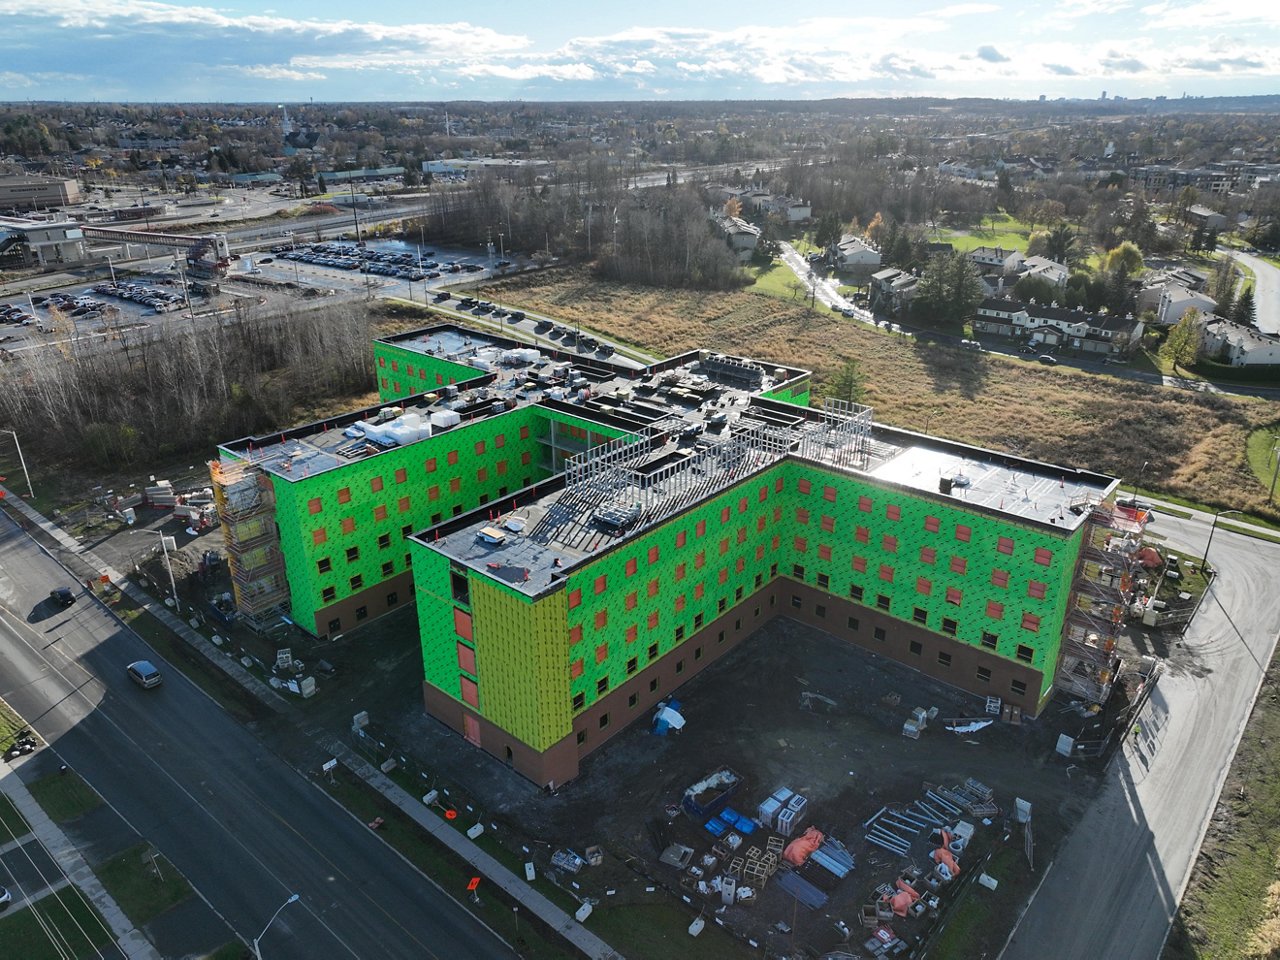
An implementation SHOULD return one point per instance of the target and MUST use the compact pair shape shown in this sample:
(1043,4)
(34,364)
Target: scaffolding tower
(1101,593)
(246,507)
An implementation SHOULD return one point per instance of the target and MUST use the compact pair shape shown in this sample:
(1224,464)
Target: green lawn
(10,723)
(134,884)
(1259,451)
(976,925)
(11,822)
(803,245)
(64,796)
(774,281)
(1000,231)
(235,950)
(79,925)
(660,930)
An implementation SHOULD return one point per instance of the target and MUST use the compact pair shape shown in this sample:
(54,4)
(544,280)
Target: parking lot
(382,267)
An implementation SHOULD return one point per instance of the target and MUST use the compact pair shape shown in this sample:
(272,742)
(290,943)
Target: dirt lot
(1194,442)
(745,713)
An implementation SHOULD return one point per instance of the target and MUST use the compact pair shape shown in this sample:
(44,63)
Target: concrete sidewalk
(587,943)
(128,938)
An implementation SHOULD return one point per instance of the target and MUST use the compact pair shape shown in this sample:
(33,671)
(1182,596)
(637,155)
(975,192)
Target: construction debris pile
(729,860)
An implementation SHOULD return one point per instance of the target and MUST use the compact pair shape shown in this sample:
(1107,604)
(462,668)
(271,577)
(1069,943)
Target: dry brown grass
(1264,940)
(1195,443)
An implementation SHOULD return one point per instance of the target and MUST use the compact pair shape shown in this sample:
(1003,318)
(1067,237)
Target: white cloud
(530,71)
(277,72)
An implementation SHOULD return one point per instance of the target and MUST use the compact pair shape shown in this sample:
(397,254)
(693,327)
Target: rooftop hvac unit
(944,485)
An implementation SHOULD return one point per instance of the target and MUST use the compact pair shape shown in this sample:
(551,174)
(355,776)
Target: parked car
(1048,359)
(62,596)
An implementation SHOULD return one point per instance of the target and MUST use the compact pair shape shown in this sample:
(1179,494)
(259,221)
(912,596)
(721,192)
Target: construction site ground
(745,712)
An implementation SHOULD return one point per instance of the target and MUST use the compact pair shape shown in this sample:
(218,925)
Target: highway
(1113,890)
(244,827)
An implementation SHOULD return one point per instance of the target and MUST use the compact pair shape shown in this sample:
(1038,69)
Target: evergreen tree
(1245,311)
(1196,243)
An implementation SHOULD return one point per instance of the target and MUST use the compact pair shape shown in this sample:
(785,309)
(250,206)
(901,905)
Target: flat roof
(544,532)
(510,374)
(1025,490)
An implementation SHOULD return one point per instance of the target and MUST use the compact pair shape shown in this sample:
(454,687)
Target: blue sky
(167,50)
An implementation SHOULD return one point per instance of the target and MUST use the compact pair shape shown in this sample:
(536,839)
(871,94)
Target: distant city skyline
(151,50)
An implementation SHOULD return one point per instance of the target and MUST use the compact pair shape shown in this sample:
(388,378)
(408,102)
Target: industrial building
(21,192)
(581,538)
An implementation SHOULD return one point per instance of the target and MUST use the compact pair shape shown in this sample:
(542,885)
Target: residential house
(892,289)
(1052,325)
(995,259)
(1238,344)
(1171,301)
(1046,269)
(857,256)
(790,209)
(1206,219)
(741,236)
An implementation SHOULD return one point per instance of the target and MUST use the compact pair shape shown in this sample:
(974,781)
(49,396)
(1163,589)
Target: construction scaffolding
(625,486)
(842,437)
(1104,587)
(246,508)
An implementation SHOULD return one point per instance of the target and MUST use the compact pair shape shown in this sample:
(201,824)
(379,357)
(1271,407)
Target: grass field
(1261,452)
(1195,443)
(12,824)
(10,724)
(25,933)
(774,280)
(64,796)
(1000,231)
(135,886)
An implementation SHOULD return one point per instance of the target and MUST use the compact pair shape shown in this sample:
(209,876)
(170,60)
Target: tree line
(184,386)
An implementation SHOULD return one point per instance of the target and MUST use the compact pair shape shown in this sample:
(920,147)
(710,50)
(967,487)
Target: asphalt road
(243,827)
(1112,892)
(1266,291)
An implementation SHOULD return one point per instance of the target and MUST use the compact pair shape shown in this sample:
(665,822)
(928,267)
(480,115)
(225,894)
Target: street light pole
(173,587)
(22,460)
(1275,453)
(1212,528)
(257,952)
(1138,482)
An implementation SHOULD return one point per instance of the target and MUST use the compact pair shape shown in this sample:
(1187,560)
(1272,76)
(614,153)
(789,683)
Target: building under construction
(581,537)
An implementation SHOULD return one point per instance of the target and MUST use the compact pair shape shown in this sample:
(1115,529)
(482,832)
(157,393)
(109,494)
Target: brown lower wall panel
(559,764)
(634,699)
(836,617)
(373,598)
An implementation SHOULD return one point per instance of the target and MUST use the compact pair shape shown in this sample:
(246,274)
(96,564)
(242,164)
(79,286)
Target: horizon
(150,51)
